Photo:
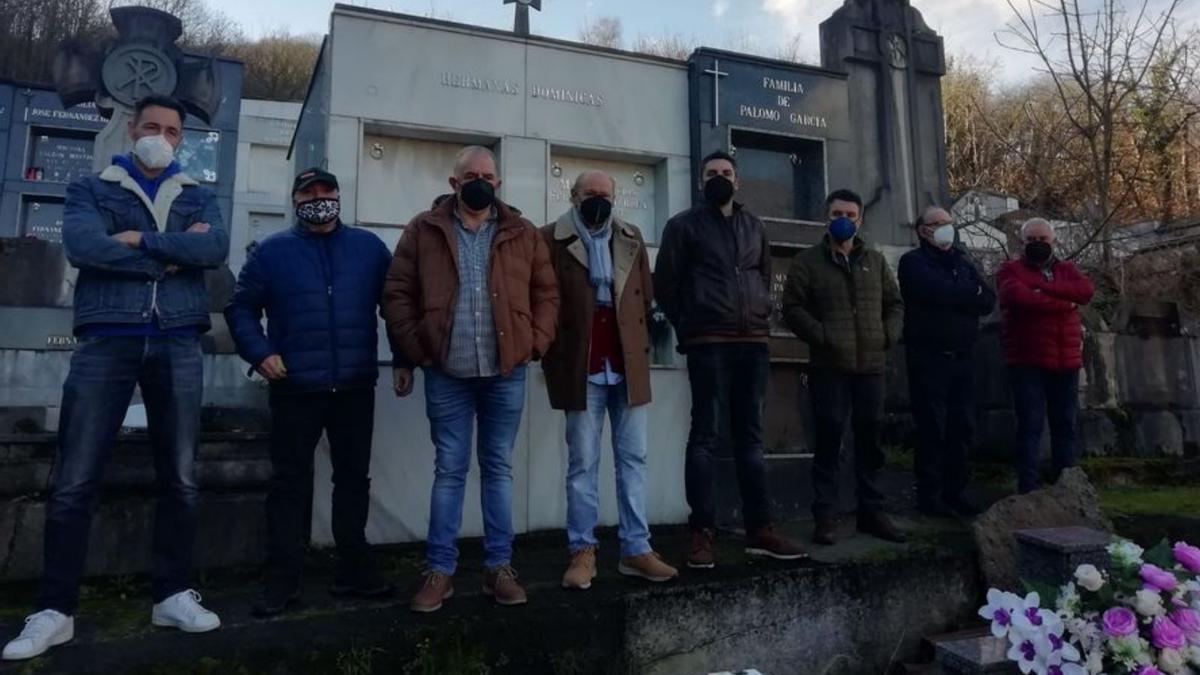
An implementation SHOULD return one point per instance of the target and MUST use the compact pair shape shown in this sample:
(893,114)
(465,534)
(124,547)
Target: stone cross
(521,19)
(716,73)
(143,61)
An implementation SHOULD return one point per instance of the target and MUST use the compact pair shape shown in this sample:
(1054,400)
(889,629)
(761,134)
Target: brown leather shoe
(501,584)
(701,556)
(765,542)
(582,569)
(436,588)
(649,566)
(825,532)
(877,523)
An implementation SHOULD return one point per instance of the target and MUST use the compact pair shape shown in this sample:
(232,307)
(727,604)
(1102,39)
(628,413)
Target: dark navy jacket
(944,298)
(321,296)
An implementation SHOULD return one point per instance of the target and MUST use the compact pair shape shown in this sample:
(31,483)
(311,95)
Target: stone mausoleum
(394,97)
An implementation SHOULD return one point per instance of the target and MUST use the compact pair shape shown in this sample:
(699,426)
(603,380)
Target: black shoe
(963,507)
(936,508)
(275,599)
(825,531)
(877,524)
(360,581)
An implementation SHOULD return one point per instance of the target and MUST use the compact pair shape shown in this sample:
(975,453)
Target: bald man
(600,366)
(1042,332)
(944,298)
(470,298)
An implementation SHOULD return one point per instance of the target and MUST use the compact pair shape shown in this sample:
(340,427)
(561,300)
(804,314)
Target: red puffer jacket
(1040,322)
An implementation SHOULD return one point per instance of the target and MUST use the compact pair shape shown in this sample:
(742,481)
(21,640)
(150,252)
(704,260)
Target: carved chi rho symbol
(716,73)
(143,73)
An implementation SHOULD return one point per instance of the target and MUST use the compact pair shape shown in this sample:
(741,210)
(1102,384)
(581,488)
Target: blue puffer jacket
(121,285)
(321,296)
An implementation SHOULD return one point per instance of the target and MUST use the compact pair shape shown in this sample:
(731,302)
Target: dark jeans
(941,388)
(1037,394)
(835,394)
(729,387)
(96,395)
(297,421)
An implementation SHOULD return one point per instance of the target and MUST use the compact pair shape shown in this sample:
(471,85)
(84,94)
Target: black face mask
(718,190)
(1038,252)
(595,211)
(478,194)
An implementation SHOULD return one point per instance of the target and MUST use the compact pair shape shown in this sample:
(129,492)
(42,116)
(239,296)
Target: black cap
(314,175)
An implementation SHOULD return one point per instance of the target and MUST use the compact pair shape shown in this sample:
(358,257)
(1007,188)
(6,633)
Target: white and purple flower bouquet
(1140,618)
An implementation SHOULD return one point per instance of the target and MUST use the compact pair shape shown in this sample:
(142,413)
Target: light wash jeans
(453,404)
(584,432)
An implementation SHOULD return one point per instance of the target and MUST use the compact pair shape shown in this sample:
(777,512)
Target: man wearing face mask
(471,299)
(944,298)
(600,365)
(712,280)
(141,234)
(840,298)
(319,285)
(1042,334)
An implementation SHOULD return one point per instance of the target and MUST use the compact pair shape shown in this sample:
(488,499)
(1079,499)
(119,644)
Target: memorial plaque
(59,157)
(42,218)
(199,154)
(634,201)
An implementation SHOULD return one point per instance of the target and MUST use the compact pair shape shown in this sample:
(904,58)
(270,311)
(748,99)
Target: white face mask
(155,152)
(944,236)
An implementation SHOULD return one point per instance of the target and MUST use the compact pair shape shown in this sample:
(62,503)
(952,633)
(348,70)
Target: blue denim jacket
(118,284)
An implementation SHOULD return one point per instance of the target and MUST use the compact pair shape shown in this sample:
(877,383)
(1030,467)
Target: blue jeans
(584,431)
(453,404)
(1037,394)
(104,371)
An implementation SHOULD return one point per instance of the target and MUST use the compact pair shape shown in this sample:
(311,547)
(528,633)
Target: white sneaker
(183,611)
(43,630)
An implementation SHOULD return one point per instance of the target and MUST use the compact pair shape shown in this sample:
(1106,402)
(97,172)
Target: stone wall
(1138,397)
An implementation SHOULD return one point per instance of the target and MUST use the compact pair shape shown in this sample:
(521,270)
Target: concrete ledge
(862,605)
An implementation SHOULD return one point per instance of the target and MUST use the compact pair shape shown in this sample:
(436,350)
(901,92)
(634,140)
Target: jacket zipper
(326,265)
(743,310)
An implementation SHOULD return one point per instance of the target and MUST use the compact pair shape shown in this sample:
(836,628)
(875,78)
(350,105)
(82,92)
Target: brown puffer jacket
(848,310)
(421,289)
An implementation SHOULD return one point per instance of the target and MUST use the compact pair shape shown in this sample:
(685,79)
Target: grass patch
(1159,501)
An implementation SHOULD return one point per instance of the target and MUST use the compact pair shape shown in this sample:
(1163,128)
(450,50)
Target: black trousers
(729,388)
(941,387)
(297,422)
(839,396)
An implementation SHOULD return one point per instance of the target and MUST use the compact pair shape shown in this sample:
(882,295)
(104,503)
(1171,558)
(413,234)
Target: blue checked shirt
(473,348)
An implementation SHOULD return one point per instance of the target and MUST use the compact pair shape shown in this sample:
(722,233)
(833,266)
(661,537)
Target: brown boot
(825,532)
(878,524)
(582,569)
(701,556)
(501,584)
(436,588)
(649,566)
(765,542)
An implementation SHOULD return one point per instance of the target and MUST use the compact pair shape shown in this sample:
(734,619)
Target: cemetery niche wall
(552,108)
(43,147)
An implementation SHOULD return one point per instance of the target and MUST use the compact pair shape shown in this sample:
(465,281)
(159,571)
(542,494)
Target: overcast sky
(968,26)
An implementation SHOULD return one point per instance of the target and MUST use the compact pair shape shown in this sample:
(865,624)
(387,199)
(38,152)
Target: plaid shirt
(473,348)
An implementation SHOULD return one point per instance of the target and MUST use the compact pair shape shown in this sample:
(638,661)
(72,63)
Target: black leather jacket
(713,274)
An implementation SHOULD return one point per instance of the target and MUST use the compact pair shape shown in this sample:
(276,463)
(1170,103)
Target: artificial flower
(1148,603)
(1089,577)
(1164,634)
(1001,608)
(1188,556)
(1157,577)
(1119,622)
